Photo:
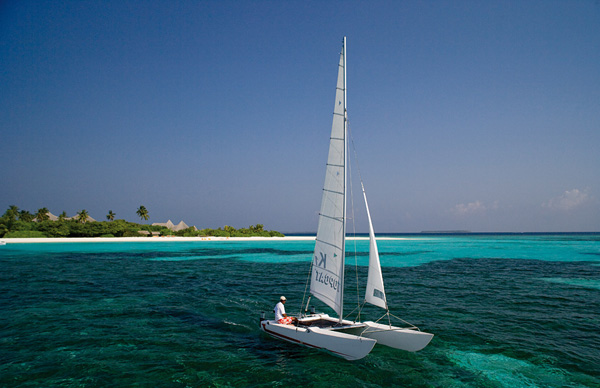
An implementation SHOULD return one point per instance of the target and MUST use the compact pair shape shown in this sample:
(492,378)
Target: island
(16,223)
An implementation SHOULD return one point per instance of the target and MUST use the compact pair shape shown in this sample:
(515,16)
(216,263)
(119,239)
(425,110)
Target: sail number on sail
(321,276)
(324,278)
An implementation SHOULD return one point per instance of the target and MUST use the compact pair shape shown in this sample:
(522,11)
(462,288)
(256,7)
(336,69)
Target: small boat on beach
(346,338)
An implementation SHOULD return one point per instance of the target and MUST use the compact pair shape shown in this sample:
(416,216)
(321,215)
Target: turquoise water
(507,311)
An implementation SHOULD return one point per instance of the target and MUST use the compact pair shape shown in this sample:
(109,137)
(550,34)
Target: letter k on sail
(323,262)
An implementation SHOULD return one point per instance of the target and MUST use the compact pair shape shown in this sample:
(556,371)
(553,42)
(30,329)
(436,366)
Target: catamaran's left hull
(348,346)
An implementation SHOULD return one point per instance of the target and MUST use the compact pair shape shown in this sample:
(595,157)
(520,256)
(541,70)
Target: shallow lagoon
(507,311)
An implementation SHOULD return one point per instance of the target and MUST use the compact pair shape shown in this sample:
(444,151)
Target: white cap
(282,298)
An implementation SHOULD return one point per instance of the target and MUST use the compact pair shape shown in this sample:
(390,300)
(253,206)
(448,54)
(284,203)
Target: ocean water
(506,311)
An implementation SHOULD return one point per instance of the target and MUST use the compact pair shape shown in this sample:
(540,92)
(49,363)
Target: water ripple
(120,317)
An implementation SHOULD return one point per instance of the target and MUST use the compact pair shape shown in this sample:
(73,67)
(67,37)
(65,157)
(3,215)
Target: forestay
(327,278)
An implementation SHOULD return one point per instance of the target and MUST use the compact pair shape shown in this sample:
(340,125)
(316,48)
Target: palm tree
(257,229)
(142,212)
(42,214)
(110,216)
(82,216)
(12,212)
(25,216)
(62,216)
(229,229)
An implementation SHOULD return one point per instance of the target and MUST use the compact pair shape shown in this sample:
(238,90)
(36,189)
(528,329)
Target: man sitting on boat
(281,316)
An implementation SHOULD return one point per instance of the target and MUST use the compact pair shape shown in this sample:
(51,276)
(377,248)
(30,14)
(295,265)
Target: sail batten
(332,218)
(325,242)
(334,192)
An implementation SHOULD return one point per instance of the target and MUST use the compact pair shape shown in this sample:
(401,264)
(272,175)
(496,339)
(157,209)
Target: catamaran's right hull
(348,346)
(395,337)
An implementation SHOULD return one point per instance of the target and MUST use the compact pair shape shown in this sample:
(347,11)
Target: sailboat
(345,338)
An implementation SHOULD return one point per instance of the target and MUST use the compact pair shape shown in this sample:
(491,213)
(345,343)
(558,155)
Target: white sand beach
(150,239)
(171,239)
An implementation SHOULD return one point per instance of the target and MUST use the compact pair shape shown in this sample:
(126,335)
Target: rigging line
(408,323)
(356,159)
(350,313)
(360,307)
(363,190)
(354,234)
(306,286)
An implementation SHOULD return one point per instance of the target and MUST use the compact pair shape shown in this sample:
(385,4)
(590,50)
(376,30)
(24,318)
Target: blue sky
(471,115)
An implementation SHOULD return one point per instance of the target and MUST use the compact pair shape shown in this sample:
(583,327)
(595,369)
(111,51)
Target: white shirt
(279,311)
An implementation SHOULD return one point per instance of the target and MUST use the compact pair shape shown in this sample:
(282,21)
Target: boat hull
(348,346)
(405,339)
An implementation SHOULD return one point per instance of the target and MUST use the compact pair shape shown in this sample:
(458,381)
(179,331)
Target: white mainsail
(327,278)
(375,293)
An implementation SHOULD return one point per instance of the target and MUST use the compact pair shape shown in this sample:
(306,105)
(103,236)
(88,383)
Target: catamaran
(348,339)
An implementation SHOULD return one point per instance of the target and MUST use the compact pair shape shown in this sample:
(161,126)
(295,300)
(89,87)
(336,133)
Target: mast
(345,186)
(327,272)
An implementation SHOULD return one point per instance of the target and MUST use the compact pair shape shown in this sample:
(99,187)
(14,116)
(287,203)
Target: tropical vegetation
(142,212)
(82,216)
(21,223)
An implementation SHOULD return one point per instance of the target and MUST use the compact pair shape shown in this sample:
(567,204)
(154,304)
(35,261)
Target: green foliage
(25,216)
(42,214)
(25,234)
(54,229)
(229,231)
(11,213)
(213,232)
(188,232)
(15,226)
(15,223)
(142,212)
(82,216)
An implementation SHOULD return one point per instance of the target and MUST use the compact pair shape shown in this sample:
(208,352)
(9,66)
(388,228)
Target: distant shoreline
(299,237)
(147,239)
(170,239)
